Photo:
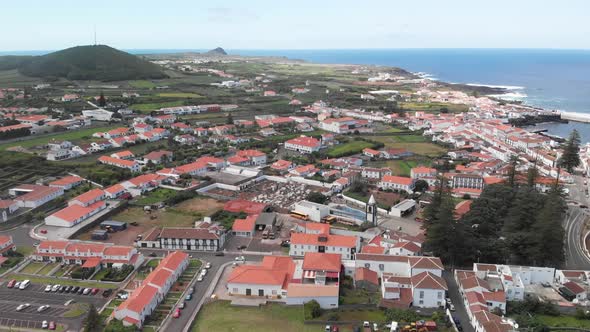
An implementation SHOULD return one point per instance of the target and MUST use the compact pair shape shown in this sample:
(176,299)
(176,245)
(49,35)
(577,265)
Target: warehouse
(403,208)
(114,225)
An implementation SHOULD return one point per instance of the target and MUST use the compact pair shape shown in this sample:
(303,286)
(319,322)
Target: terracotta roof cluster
(316,261)
(304,141)
(274,270)
(66,180)
(329,240)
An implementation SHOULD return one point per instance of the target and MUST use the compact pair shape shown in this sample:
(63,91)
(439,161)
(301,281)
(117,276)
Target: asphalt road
(575,257)
(35,295)
(453,293)
(177,324)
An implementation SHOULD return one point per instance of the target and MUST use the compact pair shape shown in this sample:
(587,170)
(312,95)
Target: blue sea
(552,79)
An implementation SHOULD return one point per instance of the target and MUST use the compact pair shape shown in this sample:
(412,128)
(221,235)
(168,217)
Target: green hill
(97,62)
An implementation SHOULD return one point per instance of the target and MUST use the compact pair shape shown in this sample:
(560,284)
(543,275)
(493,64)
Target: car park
(22,307)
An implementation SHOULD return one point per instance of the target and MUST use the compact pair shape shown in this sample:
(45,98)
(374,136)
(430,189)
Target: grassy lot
(148,107)
(178,95)
(359,296)
(76,310)
(142,84)
(158,195)
(63,282)
(32,267)
(564,321)
(433,107)
(349,148)
(25,251)
(220,316)
(74,135)
(44,271)
(168,218)
(203,205)
(414,143)
(399,167)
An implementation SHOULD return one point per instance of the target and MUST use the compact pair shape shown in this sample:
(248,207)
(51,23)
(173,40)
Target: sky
(301,24)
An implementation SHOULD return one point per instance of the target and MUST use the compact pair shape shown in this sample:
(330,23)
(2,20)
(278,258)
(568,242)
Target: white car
(86,291)
(48,288)
(44,325)
(208,265)
(17,285)
(24,284)
(203,272)
(22,307)
(55,288)
(42,308)
(200,278)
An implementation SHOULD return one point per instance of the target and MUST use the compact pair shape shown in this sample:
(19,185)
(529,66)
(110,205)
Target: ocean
(552,79)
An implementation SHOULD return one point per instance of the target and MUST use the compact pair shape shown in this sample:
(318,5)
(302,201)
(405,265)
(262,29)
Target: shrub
(312,310)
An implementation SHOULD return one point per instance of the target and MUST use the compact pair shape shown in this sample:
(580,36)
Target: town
(273,193)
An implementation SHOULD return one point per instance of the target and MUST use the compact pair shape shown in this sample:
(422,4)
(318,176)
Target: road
(457,300)
(575,257)
(177,324)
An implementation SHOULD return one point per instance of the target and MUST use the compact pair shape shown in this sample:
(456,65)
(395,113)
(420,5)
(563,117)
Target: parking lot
(29,318)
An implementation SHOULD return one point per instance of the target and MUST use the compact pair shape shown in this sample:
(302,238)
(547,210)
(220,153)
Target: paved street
(575,258)
(177,324)
(460,311)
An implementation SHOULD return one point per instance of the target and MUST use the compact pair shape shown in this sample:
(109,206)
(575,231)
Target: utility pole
(95,35)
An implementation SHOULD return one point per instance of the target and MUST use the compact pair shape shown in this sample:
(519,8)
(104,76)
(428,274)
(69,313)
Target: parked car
(328,328)
(24,284)
(42,308)
(107,292)
(80,291)
(55,288)
(11,283)
(94,291)
(22,307)
(62,289)
(43,231)
(182,305)
(68,302)
(86,291)
(200,278)
(203,272)
(451,307)
(153,254)
(69,289)
(189,297)
(219,253)
(48,288)
(191,290)
(44,325)
(242,247)
(17,284)
(52,325)
(75,289)
(208,265)
(176,313)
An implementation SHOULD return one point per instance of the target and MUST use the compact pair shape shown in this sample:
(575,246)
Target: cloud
(231,15)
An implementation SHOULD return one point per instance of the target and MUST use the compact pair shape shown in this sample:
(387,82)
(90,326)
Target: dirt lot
(182,215)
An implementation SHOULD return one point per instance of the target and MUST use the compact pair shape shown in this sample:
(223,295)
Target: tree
(93,322)
(570,157)
(420,185)
(532,175)
(230,118)
(512,170)
(102,102)
(316,197)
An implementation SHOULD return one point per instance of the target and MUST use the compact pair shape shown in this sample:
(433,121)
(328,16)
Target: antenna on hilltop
(95,35)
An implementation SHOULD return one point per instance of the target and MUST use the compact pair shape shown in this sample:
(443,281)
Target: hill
(9,62)
(217,51)
(96,62)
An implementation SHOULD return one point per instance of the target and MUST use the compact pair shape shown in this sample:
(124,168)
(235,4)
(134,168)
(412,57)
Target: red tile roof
(245,225)
(304,141)
(574,287)
(75,211)
(89,196)
(248,207)
(316,261)
(324,240)
(66,180)
(365,274)
(397,179)
(427,280)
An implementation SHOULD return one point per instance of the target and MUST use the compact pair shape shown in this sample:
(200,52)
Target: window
(421,295)
(381,267)
(368,265)
(421,302)
(274,292)
(440,295)
(235,290)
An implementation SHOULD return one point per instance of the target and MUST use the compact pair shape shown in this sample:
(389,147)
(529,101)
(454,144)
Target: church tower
(371,210)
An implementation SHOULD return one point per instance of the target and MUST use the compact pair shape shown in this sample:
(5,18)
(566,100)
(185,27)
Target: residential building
(345,245)
(67,182)
(397,183)
(131,165)
(6,245)
(303,144)
(33,195)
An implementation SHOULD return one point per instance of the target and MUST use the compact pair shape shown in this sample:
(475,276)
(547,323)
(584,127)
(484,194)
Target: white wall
(326,302)
(432,298)
(240,289)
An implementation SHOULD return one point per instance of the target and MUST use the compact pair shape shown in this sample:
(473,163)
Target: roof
(304,141)
(139,299)
(397,179)
(5,239)
(281,164)
(312,290)
(419,262)
(274,270)
(324,240)
(89,196)
(245,225)
(91,262)
(187,233)
(422,170)
(473,282)
(498,296)
(428,280)
(158,277)
(250,153)
(66,180)
(75,211)
(123,154)
(365,274)
(462,208)
(173,260)
(116,161)
(56,245)
(114,189)
(373,249)
(574,287)
(6,203)
(408,245)
(36,192)
(157,155)
(117,250)
(316,261)
(152,234)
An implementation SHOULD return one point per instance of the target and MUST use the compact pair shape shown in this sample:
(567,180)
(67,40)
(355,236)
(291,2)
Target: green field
(68,136)
(417,144)
(563,321)
(148,107)
(168,218)
(178,95)
(220,316)
(349,148)
(433,107)
(32,267)
(142,84)
(158,195)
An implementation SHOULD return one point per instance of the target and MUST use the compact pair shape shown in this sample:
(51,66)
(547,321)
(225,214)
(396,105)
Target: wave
(507,87)
(510,96)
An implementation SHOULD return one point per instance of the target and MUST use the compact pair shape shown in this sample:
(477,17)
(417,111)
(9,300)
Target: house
(182,127)
(67,182)
(125,154)
(303,144)
(575,290)
(471,181)
(397,183)
(404,266)
(114,191)
(371,153)
(80,252)
(158,156)
(88,198)
(131,165)
(304,170)
(185,139)
(282,166)
(366,279)
(395,153)
(423,290)
(345,245)
(206,238)
(244,227)
(269,278)
(145,298)
(256,158)
(74,214)
(33,195)
(6,245)
(7,207)
(421,172)
(326,295)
